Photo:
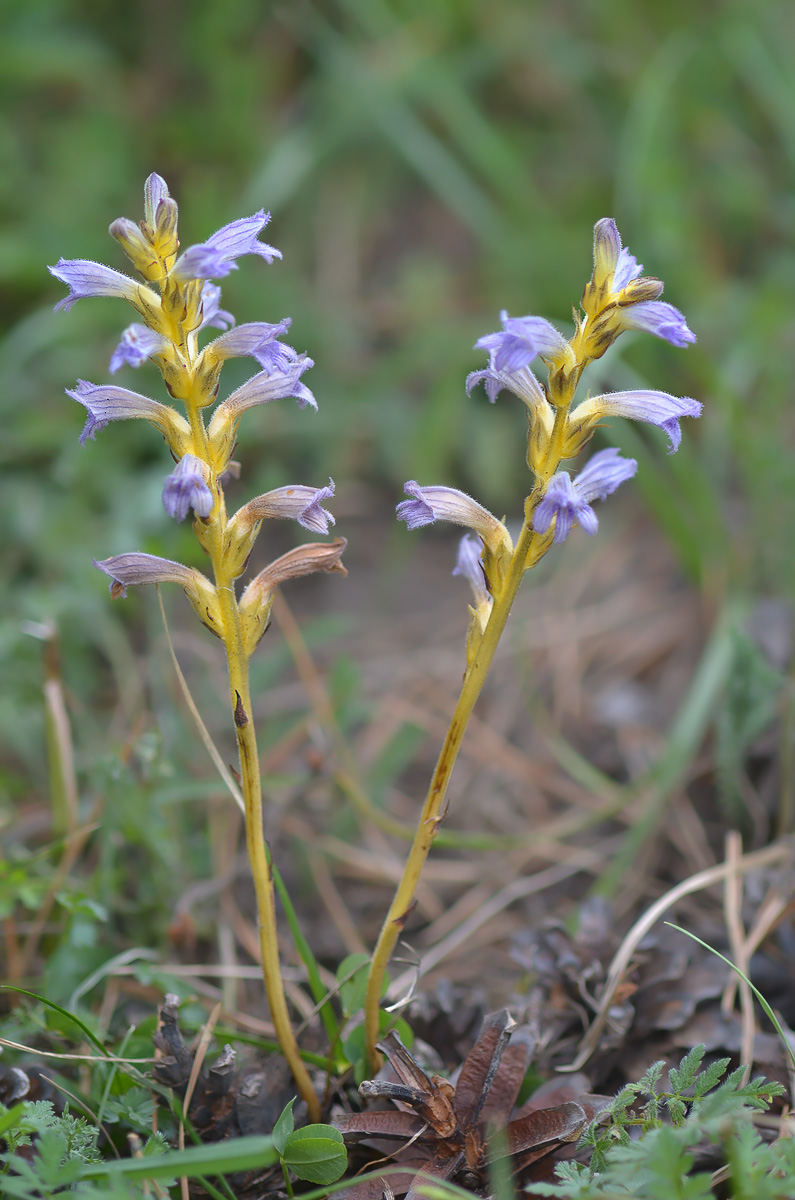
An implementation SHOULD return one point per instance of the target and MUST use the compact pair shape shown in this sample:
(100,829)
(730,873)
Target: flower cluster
(175,304)
(618,297)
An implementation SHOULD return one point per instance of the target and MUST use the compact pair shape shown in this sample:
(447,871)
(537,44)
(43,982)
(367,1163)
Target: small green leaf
(284,1127)
(316,1153)
(352,980)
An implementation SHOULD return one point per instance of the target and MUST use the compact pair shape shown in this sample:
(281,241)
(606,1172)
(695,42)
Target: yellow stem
(432,812)
(258,853)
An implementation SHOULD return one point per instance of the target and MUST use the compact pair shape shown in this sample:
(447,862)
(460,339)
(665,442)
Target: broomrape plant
(617,297)
(177,301)
(175,304)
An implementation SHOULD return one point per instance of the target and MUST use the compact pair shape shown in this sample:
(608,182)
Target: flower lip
(438,503)
(658,408)
(85,278)
(216,257)
(566,501)
(469,564)
(659,318)
(522,339)
(297,502)
(138,343)
(107,402)
(186,487)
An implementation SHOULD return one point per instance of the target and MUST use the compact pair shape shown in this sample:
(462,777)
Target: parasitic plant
(175,304)
(617,297)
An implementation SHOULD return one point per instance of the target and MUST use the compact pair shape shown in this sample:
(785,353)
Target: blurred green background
(426,164)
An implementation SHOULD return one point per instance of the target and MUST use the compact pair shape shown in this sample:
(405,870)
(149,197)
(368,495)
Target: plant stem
(562,388)
(432,814)
(258,852)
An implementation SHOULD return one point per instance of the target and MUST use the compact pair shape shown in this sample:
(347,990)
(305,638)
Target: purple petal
(261,389)
(212,314)
(491,380)
(627,269)
(257,339)
(126,569)
(85,278)
(658,408)
(470,565)
(186,488)
(106,402)
(603,474)
(155,191)
(429,504)
(659,318)
(138,343)
(561,504)
(215,258)
(296,502)
(522,340)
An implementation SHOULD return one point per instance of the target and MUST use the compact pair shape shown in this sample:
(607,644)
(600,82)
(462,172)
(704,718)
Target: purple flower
(659,318)
(429,504)
(212,313)
(295,502)
(186,487)
(216,257)
(566,501)
(85,278)
(658,408)
(261,389)
(522,340)
(138,343)
(126,569)
(470,565)
(522,383)
(257,339)
(106,402)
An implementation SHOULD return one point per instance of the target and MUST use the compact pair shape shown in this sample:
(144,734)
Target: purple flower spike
(186,488)
(470,566)
(106,402)
(295,502)
(138,343)
(85,278)
(216,257)
(566,501)
(126,569)
(659,318)
(212,313)
(522,340)
(658,408)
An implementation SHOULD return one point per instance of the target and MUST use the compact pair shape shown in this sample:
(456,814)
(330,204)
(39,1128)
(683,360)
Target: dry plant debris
(454,1131)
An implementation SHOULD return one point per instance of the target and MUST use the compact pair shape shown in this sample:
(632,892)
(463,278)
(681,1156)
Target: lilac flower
(126,569)
(138,343)
(522,340)
(566,501)
(658,408)
(216,257)
(296,502)
(186,487)
(257,339)
(659,318)
(262,388)
(212,313)
(85,278)
(106,402)
(429,504)
(470,565)
(522,383)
